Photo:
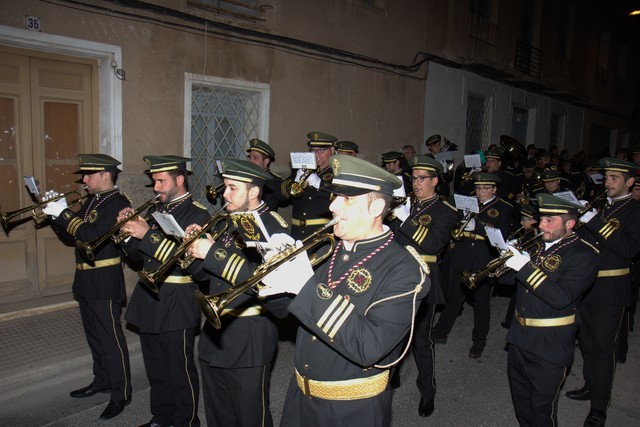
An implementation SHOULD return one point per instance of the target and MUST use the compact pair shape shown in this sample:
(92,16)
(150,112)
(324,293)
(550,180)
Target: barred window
(557,130)
(243,9)
(225,115)
(478,123)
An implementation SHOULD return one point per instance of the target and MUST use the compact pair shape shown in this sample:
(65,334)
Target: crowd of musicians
(373,255)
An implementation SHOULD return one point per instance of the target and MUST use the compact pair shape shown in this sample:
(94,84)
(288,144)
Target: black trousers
(455,298)
(423,350)
(599,326)
(103,330)
(236,397)
(535,386)
(172,374)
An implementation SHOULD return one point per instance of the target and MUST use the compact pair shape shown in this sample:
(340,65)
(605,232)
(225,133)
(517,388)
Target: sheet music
(495,238)
(169,225)
(472,161)
(30,182)
(466,203)
(303,160)
(568,196)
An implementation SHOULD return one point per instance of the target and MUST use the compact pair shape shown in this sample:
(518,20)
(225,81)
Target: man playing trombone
(166,321)
(98,285)
(550,283)
(236,360)
(356,310)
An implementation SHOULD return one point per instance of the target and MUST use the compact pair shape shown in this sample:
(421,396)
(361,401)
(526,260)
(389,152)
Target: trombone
(457,233)
(152,278)
(497,266)
(87,248)
(36,209)
(296,188)
(213,305)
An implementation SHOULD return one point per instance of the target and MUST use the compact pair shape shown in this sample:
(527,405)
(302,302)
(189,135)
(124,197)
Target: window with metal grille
(224,115)
(478,123)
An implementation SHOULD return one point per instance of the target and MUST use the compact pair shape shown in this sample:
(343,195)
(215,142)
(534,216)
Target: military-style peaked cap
(242,170)
(346,147)
(550,205)
(485,178)
(617,165)
(424,162)
(392,156)
(166,163)
(92,163)
(435,139)
(353,176)
(494,154)
(529,211)
(550,173)
(261,147)
(320,139)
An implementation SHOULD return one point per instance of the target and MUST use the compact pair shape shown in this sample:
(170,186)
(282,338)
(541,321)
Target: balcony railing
(528,59)
(484,37)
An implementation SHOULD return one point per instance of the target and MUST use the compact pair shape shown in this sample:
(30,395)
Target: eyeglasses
(318,149)
(484,187)
(420,179)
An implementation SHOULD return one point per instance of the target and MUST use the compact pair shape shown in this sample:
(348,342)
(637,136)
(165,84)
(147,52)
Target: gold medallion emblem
(335,166)
(493,213)
(326,177)
(414,222)
(359,280)
(552,262)
(247,224)
(155,238)
(220,254)
(614,223)
(93,216)
(324,292)
(425,219)
(67,215)
(345,257)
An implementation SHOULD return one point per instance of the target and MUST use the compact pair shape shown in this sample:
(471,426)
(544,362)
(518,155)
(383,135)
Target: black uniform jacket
(243,341)
(174,307)
(363,320)
(428,230)
(615,231)
(98,214)
(271,194)
(474,252)
(550,286)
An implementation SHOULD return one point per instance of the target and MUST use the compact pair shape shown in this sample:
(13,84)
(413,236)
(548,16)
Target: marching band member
(166,321)
(542,338)
(356,310)
(99,286)
(428,230)
(615,231)
(263,155)
(235,361)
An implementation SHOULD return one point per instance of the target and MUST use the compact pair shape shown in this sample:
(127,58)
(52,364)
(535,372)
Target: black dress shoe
(426,406)
(114,408)
(476,350)
(621,358)
(580,394)
(505,325)
(438,339)
(595,419)
(87,391)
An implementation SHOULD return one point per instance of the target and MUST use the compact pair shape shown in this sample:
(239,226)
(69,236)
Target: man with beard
(98,285)
(236,360)
(356,310)
(550,284)
(615,231)
(166,320)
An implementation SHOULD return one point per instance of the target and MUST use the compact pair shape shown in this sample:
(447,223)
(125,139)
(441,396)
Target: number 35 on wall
(32,23)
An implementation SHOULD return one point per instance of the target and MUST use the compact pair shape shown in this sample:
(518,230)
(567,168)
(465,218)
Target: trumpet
(87,248)
(497,266)
(214,192)
(457,233)
(213,305)
(36,210)
(152,278)
(296,188)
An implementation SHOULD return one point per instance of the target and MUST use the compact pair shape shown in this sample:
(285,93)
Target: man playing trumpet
(236,360)
(167,320)
(99,286)
(356,310)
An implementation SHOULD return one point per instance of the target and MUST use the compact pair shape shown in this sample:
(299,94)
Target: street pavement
(44,356)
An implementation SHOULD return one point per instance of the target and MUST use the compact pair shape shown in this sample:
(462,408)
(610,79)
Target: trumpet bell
(209,307)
